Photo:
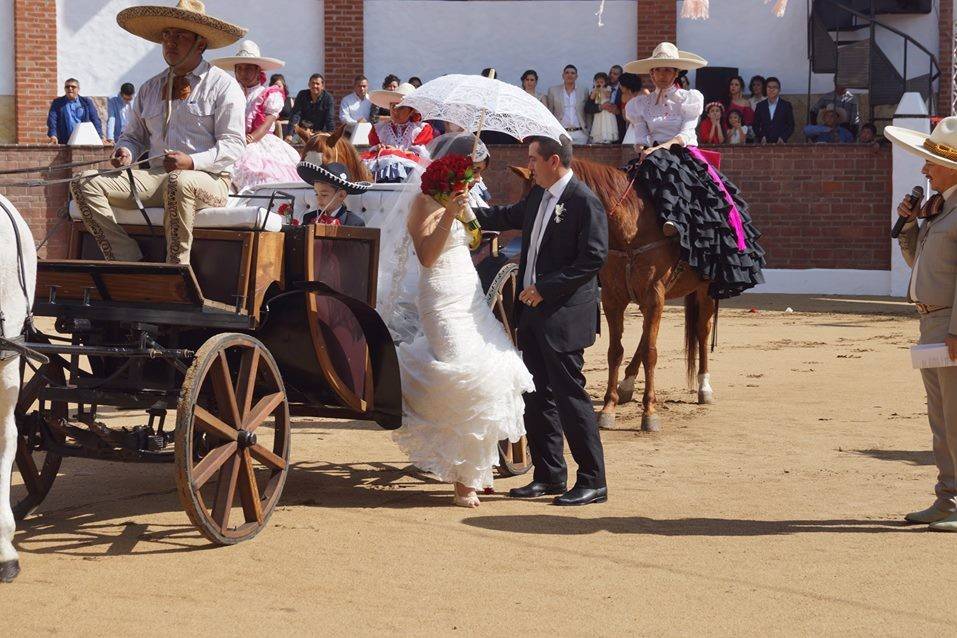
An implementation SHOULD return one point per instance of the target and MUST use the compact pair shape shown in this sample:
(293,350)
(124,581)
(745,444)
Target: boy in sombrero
(332,186)
(190,119)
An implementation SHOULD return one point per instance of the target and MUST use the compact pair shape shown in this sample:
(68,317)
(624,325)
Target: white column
(911,113)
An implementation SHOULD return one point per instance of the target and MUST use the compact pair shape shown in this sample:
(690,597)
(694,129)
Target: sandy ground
(774,511)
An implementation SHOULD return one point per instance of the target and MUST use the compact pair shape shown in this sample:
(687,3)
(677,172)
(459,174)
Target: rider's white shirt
(659,117)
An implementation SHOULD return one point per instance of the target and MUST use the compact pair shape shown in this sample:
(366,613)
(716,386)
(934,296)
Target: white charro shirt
(912,288)
(209,125)
(570,110)
(545,211)
(662,115)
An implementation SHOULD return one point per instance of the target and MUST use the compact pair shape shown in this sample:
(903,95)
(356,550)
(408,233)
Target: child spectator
(604,128)
(737,131)
(711,129)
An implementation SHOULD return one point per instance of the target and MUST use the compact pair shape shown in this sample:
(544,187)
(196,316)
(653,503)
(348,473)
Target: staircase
(842,39)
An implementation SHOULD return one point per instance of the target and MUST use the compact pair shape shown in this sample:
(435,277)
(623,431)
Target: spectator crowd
(594,114)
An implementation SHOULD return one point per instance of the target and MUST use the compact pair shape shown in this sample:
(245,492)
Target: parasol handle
(481,124)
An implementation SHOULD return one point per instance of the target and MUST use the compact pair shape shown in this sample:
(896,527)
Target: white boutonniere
(559,213)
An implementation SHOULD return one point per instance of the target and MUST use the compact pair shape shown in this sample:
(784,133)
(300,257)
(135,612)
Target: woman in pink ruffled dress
(267,159)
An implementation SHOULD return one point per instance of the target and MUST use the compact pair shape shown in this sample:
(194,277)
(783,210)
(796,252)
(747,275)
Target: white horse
(14,305)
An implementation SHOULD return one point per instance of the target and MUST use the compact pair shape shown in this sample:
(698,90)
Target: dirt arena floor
(775,511)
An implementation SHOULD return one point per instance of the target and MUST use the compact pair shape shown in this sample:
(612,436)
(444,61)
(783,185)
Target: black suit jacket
(570,255)
(781,127)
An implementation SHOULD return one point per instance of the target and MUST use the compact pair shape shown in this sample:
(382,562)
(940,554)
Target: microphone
(915,196)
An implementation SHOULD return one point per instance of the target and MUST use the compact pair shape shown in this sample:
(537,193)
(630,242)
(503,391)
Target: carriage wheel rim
(230,464)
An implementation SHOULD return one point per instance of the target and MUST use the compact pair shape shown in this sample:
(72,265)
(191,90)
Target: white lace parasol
(475,103)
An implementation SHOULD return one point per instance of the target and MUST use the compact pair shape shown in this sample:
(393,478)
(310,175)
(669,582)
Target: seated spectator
(711,127)
(332,186)
(773,117)
(356,107)
(118,111)
(312,112)
(415,81)
(68,110)
(756,86)
(737,102)
(830,130)
(868,134)
(737,131)
(390,83)
(278,79)
(843,99)
(530,84)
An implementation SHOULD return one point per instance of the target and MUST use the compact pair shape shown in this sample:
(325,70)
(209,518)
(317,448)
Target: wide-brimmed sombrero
(148,22)
(667,55)
(940,147)
(248,54)
(841,112)
(385,99)
(332,173)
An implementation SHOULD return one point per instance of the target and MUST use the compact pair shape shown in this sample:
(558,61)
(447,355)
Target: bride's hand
(458,203)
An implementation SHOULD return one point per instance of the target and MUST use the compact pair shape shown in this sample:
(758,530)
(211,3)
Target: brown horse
(333,147)
(643,267)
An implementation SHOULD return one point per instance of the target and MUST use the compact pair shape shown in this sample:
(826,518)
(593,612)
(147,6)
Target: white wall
(428,39)
(758,43)
(94,49)
(7,77)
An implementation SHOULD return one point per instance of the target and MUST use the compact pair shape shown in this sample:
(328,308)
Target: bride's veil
(398,266)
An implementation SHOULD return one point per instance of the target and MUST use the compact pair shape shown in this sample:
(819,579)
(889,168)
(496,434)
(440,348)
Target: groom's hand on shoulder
(531,297)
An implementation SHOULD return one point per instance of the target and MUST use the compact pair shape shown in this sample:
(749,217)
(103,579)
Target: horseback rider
(191,119)
(695,202)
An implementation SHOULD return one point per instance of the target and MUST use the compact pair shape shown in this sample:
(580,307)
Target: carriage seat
(230,218)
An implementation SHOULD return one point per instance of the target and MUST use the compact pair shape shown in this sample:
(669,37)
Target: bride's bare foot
(465,496)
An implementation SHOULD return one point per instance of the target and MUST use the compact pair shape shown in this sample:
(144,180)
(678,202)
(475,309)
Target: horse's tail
(692,311)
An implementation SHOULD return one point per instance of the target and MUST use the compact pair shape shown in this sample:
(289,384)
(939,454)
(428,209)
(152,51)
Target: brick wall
(344,44)
(946,44)
(657,22)
(818,206)
(35,37)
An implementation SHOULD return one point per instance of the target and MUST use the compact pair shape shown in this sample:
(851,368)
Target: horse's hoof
(9,570)
(705,398)
(606,420)
(651,423)
(626,391)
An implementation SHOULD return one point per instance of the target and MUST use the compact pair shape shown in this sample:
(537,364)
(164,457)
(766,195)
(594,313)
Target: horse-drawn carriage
(269,320)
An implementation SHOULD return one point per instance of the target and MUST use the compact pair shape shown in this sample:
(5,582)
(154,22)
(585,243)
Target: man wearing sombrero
(930,249)
(190,119)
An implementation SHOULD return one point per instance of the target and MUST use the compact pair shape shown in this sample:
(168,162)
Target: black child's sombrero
(332,173)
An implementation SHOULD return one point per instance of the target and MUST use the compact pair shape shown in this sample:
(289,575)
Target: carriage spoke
(267,457)
(211,424)
(223,387)
(226,493)
(263,409)
(28,469)
(28,393)
(205,469)
(247,379)
(249,490)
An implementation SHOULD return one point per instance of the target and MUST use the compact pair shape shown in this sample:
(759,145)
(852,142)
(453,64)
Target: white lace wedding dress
(462,379)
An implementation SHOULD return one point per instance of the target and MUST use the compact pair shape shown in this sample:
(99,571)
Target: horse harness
(629,256)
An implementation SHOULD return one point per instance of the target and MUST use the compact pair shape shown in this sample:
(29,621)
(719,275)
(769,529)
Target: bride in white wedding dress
(462,379)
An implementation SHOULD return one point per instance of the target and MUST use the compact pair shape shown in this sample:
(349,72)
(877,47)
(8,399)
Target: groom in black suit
(564,244)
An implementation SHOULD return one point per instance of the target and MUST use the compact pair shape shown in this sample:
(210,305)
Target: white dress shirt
(660,116)
(570,111)
(544,216)
(209,125)
(354,108)
(772,107)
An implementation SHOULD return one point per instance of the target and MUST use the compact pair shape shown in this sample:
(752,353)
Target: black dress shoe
(583,496)
(535,489)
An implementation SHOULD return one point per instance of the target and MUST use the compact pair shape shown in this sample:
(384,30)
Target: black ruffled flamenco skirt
(683,193)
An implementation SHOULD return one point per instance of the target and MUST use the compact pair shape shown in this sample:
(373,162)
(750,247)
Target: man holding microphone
(930,249)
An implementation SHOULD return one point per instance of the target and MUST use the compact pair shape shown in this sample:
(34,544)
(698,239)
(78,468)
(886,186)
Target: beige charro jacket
(935,244)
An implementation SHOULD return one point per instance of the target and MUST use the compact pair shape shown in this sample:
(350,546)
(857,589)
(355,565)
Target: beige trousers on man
(180,193)
(941,387)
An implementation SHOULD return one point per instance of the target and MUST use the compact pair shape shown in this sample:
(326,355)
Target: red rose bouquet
(448,175)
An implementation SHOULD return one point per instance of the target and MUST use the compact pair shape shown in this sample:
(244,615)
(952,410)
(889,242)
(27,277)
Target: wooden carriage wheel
(226,443)
(502,295)
(37,468)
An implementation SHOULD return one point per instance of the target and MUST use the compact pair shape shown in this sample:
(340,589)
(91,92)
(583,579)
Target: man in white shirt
(567,103)
(356,107)
(194,131)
